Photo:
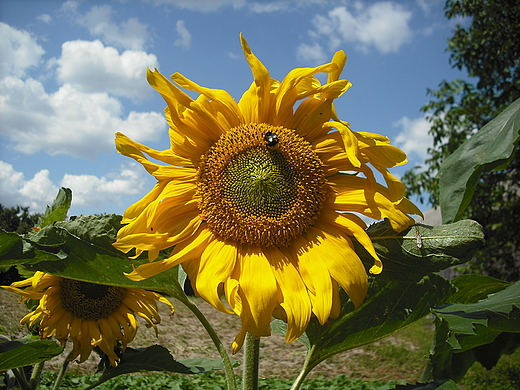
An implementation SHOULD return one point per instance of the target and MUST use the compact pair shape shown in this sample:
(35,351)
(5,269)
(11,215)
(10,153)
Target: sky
(72,73)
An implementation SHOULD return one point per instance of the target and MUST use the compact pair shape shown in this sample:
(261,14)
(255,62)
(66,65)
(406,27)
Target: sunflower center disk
(90,301)
(260,184)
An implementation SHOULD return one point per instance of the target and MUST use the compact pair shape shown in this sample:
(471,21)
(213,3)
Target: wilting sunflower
(89,314)
(258,197)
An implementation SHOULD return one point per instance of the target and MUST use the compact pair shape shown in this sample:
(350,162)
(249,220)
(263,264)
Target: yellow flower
(90,314)
(258,196)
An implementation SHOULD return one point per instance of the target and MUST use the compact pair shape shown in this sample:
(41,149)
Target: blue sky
(72,73)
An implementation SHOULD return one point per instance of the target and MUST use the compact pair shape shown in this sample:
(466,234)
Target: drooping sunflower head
(88,314)
(260,199)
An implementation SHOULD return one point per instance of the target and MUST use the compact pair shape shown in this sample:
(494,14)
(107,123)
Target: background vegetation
(489,51)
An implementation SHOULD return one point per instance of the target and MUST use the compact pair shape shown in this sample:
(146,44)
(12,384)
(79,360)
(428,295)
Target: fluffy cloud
(87,190)
(92,191)
(184,39)
(203,5)
(16,190)
(413,138)
(92,67)
(129,34)
(81,117)
(19,51)
(383,25)
(68,121)
(311,53)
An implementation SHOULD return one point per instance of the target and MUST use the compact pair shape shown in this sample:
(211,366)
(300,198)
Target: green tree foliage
(488,48)
(17,219)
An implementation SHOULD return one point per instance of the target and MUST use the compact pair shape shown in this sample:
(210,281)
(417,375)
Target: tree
(489,50)
(18,220)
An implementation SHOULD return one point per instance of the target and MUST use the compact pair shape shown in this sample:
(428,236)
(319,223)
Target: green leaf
(81,249)
(158,358)
(198,366)
(390,306)
(490,148)
(26,352)
(445,384)
(473,288)
(480,331)
(440,247)
(11,245)
(58,210)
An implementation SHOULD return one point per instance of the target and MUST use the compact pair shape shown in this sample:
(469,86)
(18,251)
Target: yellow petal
(316,277)
(189,249)
(214,268)
(295,297)
(340,59)
(354,226)
(258,99)
(258,286)
(341,260)
(349,140)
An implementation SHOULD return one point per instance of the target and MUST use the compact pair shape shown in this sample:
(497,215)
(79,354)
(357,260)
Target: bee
(271,139)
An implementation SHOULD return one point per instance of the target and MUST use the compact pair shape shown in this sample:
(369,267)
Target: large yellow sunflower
(258,197)
(89,314)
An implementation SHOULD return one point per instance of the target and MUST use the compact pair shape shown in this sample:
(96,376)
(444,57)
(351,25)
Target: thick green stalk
(36,374)
(251,361)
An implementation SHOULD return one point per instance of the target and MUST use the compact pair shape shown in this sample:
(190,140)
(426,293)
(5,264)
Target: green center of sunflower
(260,184)
(90,301)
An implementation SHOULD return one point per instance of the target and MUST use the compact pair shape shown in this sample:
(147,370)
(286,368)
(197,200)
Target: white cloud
(311,53)
(93,191)
(413,138)
(18,51)
(92,67)
(87,190)
(15,190)
(45,18)
(81,117)
(203,5)
(274,6)
(68,121)
(129,34)
(184,39)
(383,25)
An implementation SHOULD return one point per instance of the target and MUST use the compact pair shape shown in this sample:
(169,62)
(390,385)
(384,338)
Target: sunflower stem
(36,374)
(251,361)
(228,366)
(304,371)
(19,374)
(61,373)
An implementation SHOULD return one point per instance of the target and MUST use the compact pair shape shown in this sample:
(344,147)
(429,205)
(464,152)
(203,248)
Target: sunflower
(261,198)
(92,315)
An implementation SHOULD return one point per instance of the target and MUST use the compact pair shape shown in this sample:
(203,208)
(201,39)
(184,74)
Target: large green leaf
(480,331)
(422,249)
(390,306)
(158,358)
(59,208)
(473,288)
(488,149)
(26,352)
(81,249)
